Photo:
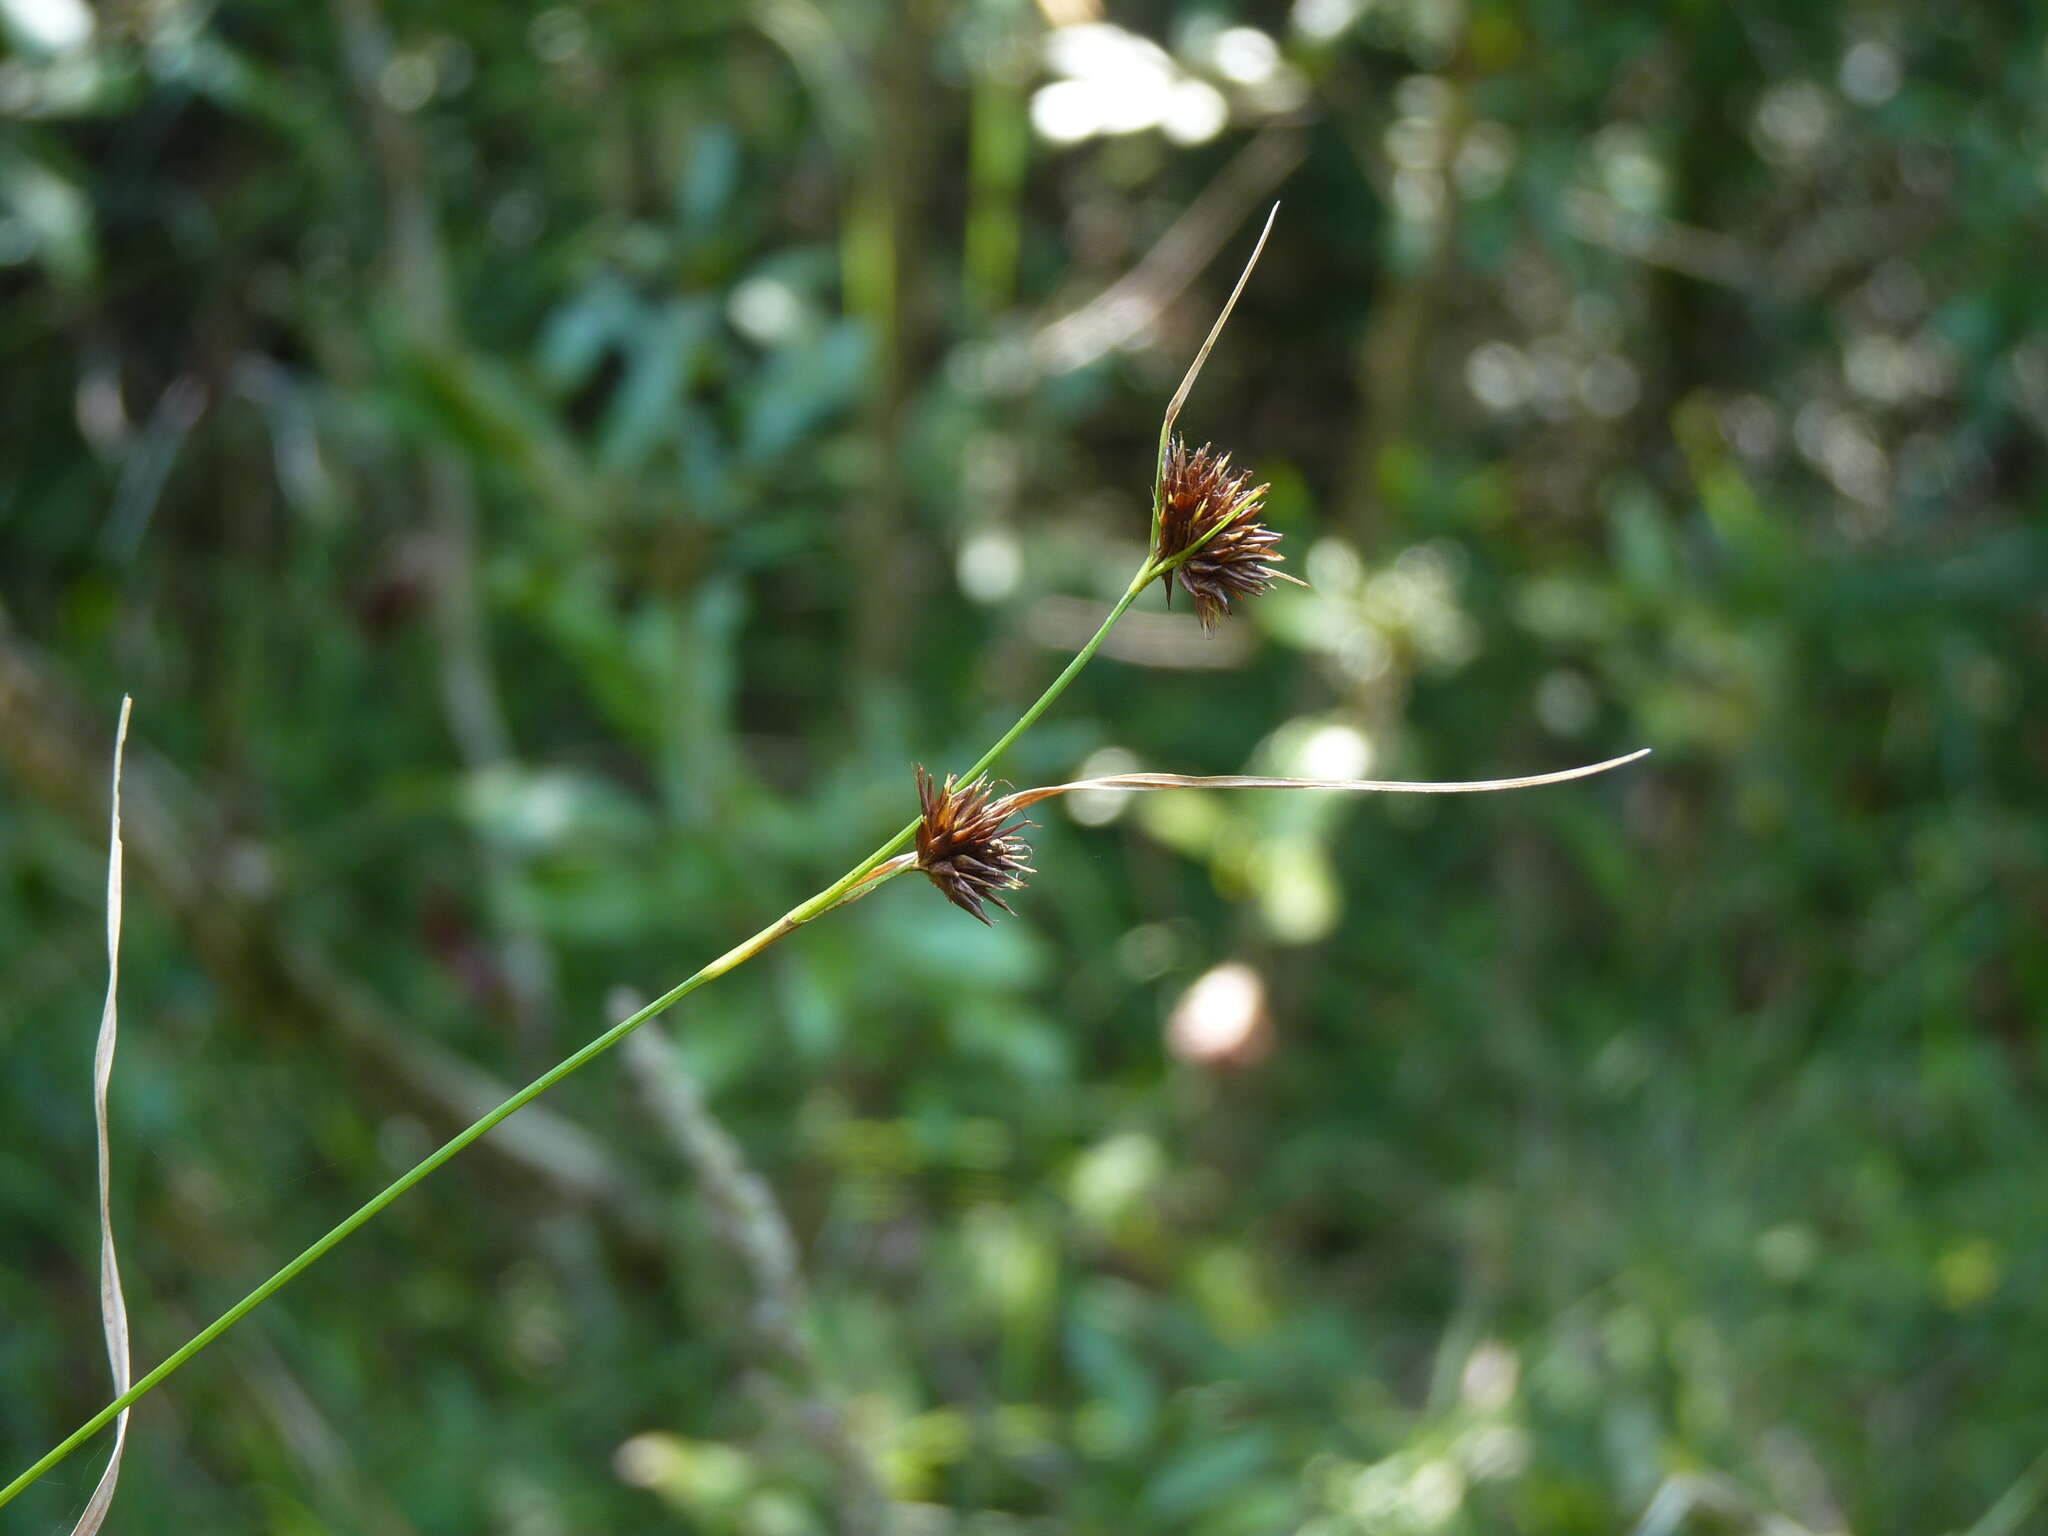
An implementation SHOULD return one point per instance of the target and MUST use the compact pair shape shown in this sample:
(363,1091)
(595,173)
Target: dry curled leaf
(967,847)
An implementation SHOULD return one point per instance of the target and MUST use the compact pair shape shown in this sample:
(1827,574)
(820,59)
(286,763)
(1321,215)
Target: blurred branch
(1837,241)
(872,99)
(884,281)
(2018,1503)
(212,883)
(1403,319)
(1134,302)
(148,465)
(753,1229)
(418,276)
(417,272)
(1660,242)
(1061,623)
(273,1393)
(804,33)
(1679,1495)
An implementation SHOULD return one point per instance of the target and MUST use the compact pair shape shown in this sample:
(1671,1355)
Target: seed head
(1198,494)
(965,843)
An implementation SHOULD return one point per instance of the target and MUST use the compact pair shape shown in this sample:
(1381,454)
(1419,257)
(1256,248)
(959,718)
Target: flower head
(965,843)
(1202,503)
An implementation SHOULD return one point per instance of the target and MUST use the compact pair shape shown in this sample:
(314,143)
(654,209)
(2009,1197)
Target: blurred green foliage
(545,475)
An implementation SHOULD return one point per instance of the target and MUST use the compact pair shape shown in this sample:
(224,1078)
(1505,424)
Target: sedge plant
(1206,534)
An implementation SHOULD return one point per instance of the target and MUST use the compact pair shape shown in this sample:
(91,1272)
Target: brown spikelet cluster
(965,843)
(1199,493)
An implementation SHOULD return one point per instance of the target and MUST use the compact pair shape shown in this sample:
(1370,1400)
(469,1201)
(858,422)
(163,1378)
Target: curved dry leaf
(1029,797)
(1187,383)
(113,1305)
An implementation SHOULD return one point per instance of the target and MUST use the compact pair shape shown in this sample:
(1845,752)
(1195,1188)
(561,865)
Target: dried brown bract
(966,843)
(1202,502)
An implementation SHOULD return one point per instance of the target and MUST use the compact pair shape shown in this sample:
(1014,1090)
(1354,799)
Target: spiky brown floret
(1199,493)
(965,843)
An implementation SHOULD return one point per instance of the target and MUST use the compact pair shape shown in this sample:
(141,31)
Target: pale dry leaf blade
(113,1305)
(1187,384)
(1142,781)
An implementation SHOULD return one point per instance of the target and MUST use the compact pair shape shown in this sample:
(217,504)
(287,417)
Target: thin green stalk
(1058,685)
(854,882)
(391,1192)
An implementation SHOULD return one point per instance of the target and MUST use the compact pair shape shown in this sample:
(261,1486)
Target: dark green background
(524,465)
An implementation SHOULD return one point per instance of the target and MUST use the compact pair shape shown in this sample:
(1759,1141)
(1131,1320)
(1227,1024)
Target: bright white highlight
(990,565)
(50,26)
(765,310)
(1247,55)
(1113,81)
(1222,1018)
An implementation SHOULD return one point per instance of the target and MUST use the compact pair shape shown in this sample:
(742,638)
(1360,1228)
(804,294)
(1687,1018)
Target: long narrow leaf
(113,1305)
(1187,383)
(1029,797)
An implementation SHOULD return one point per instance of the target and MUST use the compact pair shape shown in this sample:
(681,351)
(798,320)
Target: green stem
(391,1192)
(854,882)
(1058,685)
